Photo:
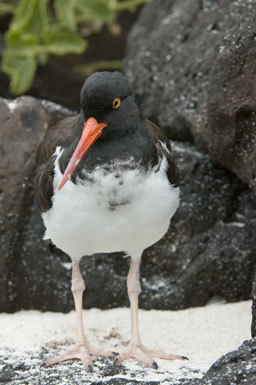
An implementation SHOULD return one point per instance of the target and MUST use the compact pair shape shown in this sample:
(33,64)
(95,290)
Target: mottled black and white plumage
(123,193)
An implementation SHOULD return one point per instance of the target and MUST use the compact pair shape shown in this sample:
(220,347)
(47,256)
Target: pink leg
(135,349)
(82,351)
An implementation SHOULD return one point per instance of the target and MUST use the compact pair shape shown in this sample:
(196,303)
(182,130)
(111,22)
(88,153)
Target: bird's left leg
(83,350)
(135,348)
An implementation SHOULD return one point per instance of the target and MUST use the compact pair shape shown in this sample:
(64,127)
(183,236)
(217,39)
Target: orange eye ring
(116,103)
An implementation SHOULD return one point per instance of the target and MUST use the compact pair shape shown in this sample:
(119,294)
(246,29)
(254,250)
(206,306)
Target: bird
(106,181)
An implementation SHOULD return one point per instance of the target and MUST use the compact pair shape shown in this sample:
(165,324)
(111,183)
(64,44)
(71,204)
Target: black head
(108,97)
(108,113)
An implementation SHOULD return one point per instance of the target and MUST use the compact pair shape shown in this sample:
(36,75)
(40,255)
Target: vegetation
(40,28)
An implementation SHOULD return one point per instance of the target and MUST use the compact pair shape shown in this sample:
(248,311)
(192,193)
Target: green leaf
(6,8)
(65,11)
(44,17)
(21,42)
(35,32)
(62,42)
(21,71)
(23,15)
(30,16)
(96,10)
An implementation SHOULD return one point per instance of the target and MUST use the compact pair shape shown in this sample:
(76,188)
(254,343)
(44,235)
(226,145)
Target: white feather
(127,213)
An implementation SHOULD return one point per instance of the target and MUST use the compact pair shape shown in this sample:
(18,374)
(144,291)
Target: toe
(101,353)
(87,362)
(121,357)
(144,355)
(163,356)
(79,353)
(70,355)
(141,356)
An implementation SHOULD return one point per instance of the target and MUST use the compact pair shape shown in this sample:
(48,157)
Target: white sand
(202,334)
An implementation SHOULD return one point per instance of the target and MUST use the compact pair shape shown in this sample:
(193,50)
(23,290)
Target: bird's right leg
(83,350)
(135,349)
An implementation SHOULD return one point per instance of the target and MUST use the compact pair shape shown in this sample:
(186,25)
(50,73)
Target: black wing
(59,135)
(163,146)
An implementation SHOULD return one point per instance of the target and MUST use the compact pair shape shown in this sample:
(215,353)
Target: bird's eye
(116,103)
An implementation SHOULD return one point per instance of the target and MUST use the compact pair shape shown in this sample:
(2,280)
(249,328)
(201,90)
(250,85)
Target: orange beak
(91,132)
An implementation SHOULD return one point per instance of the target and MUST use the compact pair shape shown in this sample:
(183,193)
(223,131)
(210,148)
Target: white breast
(127,211)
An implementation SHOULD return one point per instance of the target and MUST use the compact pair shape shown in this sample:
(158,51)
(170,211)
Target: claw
(116,360)
(144,355)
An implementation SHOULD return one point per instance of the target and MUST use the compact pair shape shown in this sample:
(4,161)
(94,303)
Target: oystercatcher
(105,182)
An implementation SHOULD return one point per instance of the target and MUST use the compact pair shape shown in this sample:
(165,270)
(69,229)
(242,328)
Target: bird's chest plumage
(117,208)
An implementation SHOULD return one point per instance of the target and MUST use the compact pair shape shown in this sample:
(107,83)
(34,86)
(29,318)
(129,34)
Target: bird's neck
(135,146)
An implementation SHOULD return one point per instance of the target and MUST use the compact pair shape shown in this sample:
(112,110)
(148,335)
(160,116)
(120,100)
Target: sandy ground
(202,334)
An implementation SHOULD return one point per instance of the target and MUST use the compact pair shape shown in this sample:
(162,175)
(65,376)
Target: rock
(253,326)
(198,83)
(23,124)
(236,368)
(208,251)
(231,101)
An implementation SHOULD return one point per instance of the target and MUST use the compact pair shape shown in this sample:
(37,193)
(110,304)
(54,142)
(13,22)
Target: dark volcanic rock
(192,65)
(232,101)
(23,124)
(236,368)
(210,247)
(208,251)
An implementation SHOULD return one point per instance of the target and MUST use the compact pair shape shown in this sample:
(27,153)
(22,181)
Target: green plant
(40,28)
(7,6)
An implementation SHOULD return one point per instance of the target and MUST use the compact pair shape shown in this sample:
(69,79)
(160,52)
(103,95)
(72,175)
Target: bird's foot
(80,352)
(144,355)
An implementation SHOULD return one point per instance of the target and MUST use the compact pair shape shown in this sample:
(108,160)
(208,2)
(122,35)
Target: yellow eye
(116,103)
